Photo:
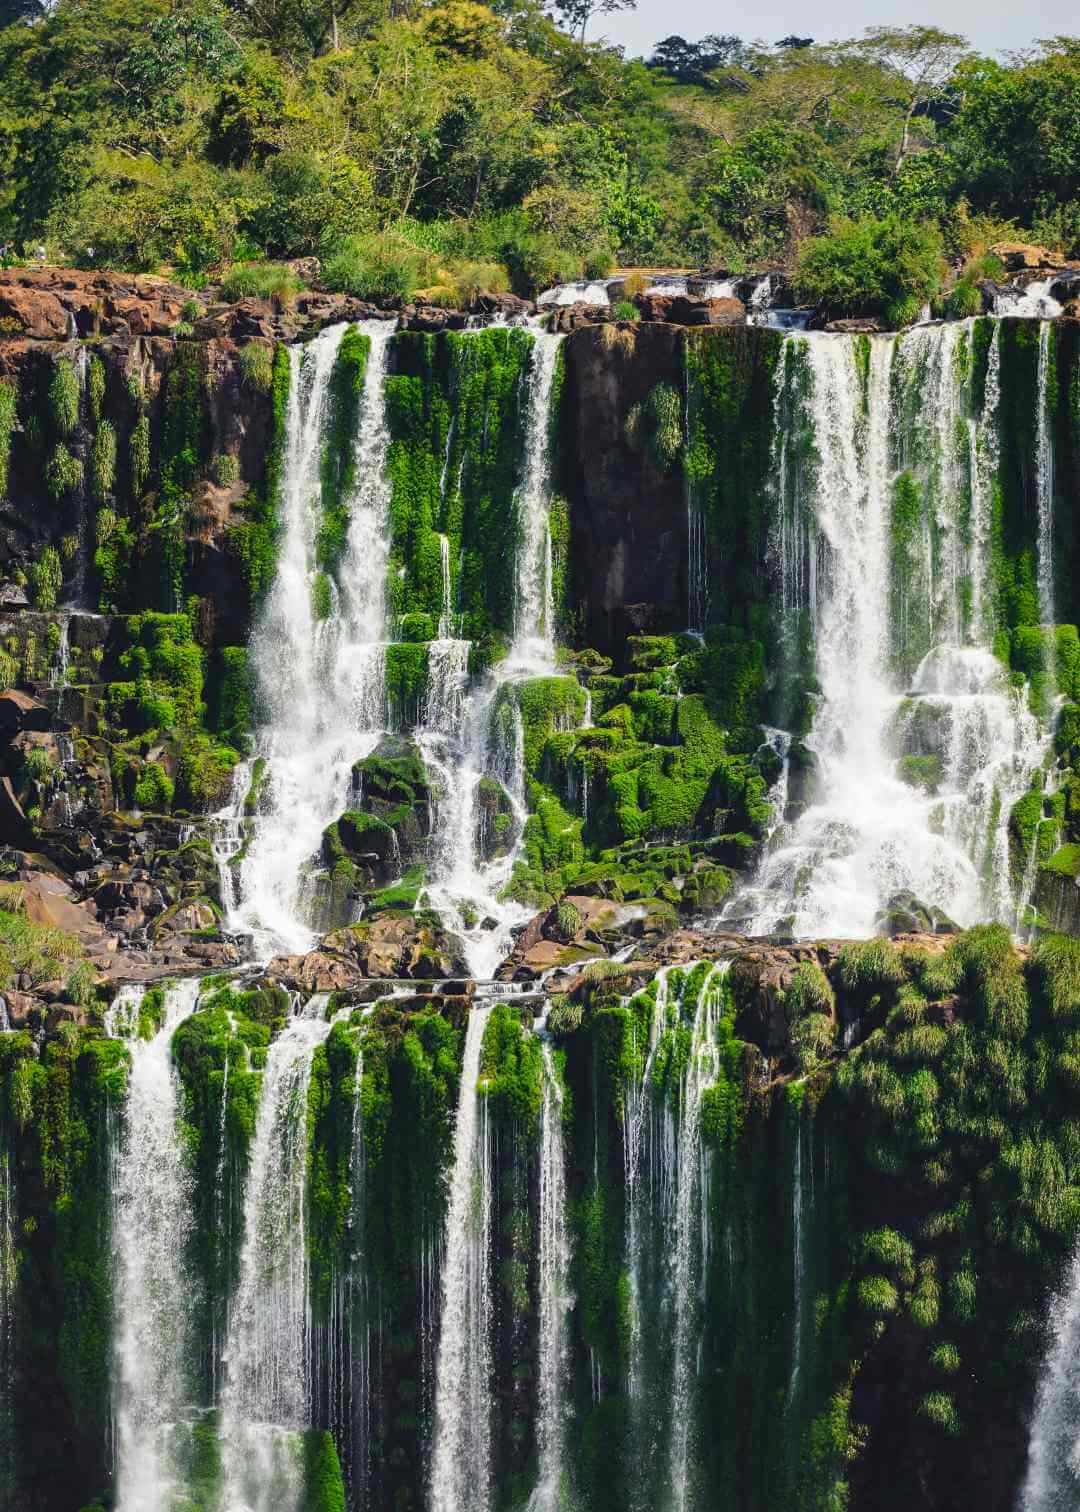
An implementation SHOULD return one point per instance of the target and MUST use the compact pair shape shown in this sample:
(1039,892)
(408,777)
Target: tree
(13,11)
(692,62)
(576,14)
(923,60)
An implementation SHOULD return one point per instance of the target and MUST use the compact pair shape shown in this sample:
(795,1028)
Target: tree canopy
(193,133)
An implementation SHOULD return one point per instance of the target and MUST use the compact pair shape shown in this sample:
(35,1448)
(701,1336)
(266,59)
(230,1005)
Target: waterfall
(226,831)
(266,1399)
(637,1128)
(554,1299)
(533,650)
(1044,475)
(702,1068)
(894,590)
(152,1222)
(667,1172)
(346,1373)
(1052,1483)
(321,682)
(461,1461)
(457,739)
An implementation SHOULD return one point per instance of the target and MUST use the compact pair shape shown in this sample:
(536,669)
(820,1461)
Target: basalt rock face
(628,514)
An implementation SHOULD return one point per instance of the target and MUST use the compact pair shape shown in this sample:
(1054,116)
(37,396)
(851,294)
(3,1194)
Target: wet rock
(412,945)
(903,913)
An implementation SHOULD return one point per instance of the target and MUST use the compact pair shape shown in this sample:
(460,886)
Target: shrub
(963,301)
(139,454)
(938,1408)
(877,1296)
(885,1246)
(257,366)
(808,991)
(255,280)
(103,461)
(382,266)
(64,397)
(946,1358)
(813,1039)
(1056,965)
(8,416)
(190,311)
(625,309)
(46,577)
(567,918)
(95,387)
(226,470)
(869,966)
(886,267)
(63,472)
(154,789)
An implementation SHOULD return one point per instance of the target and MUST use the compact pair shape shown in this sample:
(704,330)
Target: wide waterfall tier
(417,505)
(887,541)
(318,648)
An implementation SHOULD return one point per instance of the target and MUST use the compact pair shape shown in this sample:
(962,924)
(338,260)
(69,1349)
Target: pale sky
(991,26)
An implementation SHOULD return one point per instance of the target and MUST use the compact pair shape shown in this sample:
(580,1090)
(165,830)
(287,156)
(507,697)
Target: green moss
(64,397)
(9,414)
(324,1489)
(338,461)
(46,579)
(235,695)
(63,472)
(406,684)
(453,407)
(511,1071)
(154,789)
(103,461)
(256,542)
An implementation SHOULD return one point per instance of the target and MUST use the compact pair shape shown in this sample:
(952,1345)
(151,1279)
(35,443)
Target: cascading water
(321,681)
(1044,475)
(227,832)
(267,1395)
(152,1221)
(461,1460)
(869,834)
(555,1301)
(1052,1482)
(458,740)
(667,1175)
(703,1064)
(533,649)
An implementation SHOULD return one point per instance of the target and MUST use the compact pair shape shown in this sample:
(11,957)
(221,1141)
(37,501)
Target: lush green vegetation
(438,149)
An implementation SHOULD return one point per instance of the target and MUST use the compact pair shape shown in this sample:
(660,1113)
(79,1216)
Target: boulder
(39,313)
(18,711)
(707,312)
(1020,255)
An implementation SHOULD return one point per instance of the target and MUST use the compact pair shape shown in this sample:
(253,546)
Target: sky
(991,26)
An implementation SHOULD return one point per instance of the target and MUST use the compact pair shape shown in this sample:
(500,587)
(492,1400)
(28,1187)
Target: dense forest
(442,147)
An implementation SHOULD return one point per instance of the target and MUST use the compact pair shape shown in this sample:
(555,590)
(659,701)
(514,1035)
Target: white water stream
(555,1300)
(152,1222)
(322,681)
(461,1471)
(266,1401)
(868,835)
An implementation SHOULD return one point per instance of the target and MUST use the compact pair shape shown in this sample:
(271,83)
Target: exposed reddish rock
(33,312)
(18,711)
